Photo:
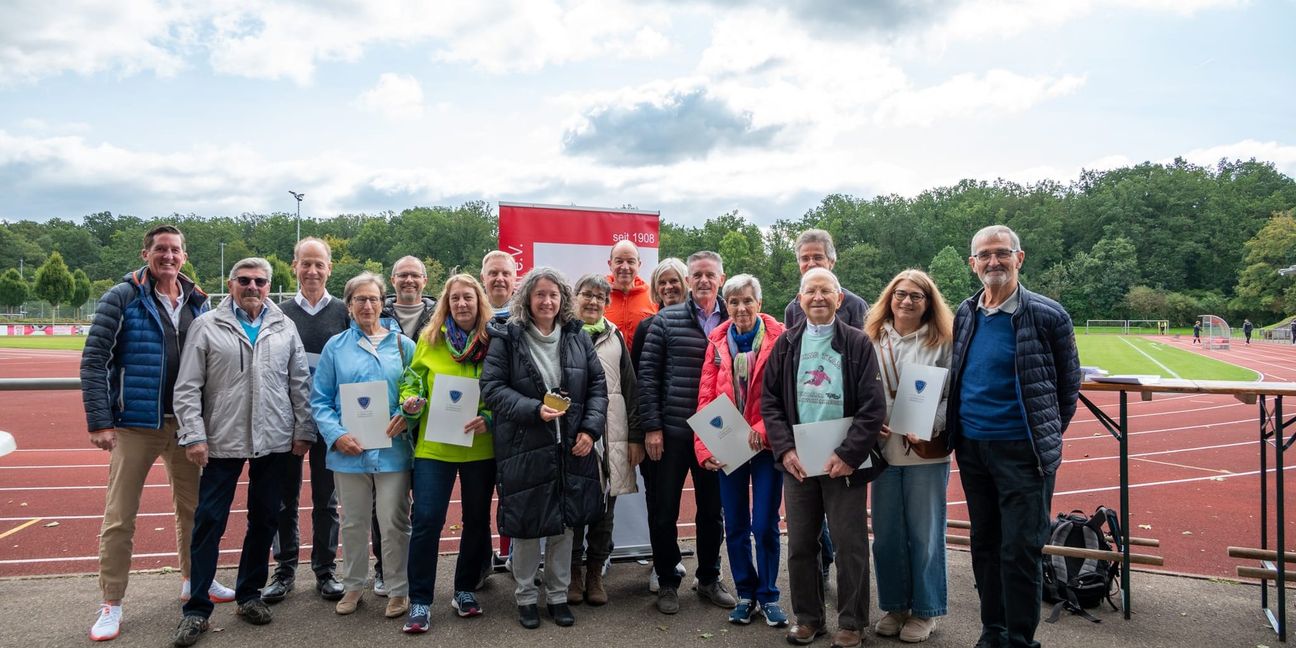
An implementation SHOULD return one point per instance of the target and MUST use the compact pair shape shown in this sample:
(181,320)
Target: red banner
(575,240)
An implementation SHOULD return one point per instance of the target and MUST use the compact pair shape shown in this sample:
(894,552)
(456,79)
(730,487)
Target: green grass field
(1128,354)
(43,342)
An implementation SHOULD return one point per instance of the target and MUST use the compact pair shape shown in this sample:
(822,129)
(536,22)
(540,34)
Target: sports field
(1133,354)
(74,342)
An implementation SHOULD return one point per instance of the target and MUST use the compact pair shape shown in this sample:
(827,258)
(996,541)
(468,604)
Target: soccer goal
(1096,326)
(1148,327)
(1215,332)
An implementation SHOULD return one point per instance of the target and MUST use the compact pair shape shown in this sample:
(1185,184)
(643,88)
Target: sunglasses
(259,281)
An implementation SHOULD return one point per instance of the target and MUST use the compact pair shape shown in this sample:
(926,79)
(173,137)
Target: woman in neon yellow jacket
(452,344)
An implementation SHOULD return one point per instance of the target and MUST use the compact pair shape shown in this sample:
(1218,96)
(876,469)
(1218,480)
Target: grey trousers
(846,506)
(358,494)
(557,561)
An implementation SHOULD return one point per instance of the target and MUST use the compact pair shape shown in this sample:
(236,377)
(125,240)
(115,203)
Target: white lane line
(1169,482)
(91,487)
(57,467)
(1104,436)
(1185,466)
(1075,421)
(1149,357)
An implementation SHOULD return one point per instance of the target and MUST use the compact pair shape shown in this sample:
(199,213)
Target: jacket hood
(141,279)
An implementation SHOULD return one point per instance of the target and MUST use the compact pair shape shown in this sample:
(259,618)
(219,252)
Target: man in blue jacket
(128,370)
(1015,378)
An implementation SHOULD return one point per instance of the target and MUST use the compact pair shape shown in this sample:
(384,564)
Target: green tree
(1260,287)
(13,290)
(950,271)
(1147,303)
(190,271)
(80,288)
(54,283)
(282,278)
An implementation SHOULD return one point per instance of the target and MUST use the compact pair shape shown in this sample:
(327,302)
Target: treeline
(1152,241)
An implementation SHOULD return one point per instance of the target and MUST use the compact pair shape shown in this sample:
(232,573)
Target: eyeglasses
(366,300)
(259,281)
(409,275)
(594,297)
(1002,254)
(915,297)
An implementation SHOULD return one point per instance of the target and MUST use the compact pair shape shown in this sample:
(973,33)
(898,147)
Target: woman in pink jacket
(734,367)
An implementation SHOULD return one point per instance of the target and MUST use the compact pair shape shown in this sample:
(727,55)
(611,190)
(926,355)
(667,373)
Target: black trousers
(324,518)
(664,483)
(1009,503)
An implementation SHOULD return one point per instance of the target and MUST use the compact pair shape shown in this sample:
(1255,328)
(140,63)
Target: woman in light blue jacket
(370,350)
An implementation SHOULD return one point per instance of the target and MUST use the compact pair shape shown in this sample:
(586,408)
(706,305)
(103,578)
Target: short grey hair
(328,249)
(814,273)
(520,306)
(354,283)
(706,254)
(993,231)
(410,257)
(252,262)
(819,236)
(739,283)
(597,282)
(669,264)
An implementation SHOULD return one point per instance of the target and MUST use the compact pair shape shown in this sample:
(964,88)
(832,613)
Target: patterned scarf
(463,348)
(743,347)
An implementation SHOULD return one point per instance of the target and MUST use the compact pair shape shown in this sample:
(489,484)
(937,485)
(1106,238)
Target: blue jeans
(751,496)
(433,481)
(909,538)
(215,496)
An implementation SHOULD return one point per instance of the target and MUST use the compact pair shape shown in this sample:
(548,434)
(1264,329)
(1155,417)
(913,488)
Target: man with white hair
(814,249)
(1014,381)
(499,278)
(244,363)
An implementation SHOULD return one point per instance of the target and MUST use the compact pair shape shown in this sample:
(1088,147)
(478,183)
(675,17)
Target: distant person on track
(243,362)
(1007,432)
(318,316)
(128,370)
(1247,327)
(1197,332)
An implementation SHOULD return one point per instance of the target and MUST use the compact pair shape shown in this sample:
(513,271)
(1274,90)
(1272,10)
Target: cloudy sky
(219,107)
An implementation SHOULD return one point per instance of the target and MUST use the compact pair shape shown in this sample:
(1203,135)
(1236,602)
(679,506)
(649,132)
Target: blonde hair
(431,332)
(938,317)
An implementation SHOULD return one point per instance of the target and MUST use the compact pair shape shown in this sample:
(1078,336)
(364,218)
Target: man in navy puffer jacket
(1015,377)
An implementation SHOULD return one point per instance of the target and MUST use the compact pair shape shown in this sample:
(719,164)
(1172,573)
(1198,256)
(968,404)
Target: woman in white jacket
(910,324)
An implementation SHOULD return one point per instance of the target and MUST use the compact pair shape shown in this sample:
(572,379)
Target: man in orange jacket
(631,299)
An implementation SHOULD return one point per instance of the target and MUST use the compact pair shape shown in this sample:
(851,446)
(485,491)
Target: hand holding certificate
(916,400)
(452,405)
(724,432)
(365,413)
(818,442)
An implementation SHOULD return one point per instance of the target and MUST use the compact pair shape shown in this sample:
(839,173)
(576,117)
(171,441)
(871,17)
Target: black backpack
(1075,584)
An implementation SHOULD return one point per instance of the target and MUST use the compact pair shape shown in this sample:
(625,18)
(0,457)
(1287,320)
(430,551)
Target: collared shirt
(708,321)
(306,305)
(172,310)
(821,329)
(1008,306)
(250,326)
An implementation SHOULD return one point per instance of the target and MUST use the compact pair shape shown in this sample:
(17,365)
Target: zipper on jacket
(1021,399)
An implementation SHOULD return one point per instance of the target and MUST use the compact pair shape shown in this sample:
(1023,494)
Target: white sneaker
(653,585)
(217,593)
(108,625)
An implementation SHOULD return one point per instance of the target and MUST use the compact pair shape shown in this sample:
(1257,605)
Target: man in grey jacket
(242,396)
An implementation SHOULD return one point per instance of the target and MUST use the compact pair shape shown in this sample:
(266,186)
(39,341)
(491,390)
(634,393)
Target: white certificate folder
(365,413)
(724,432)
(816,442)
(914,409)
(451,406)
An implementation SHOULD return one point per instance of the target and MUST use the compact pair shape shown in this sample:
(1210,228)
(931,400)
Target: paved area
(57,611)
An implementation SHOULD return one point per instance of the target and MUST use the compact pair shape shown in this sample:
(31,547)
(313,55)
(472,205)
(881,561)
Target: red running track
(1194,474)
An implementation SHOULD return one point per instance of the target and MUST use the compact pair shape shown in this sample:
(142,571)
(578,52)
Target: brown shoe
(397,606)
(576,588)
(804,635)
(349,602)
(846,638)
(594,592)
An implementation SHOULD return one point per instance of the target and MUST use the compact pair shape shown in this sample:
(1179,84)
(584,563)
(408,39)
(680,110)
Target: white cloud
(42,38)
(997,92)
(1283,156)
(396,97)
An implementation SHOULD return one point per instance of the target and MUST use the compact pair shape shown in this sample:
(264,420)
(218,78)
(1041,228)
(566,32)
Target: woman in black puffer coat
(547,472)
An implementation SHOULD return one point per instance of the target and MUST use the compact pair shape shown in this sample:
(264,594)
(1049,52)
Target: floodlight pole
(222,274)
(299,197)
